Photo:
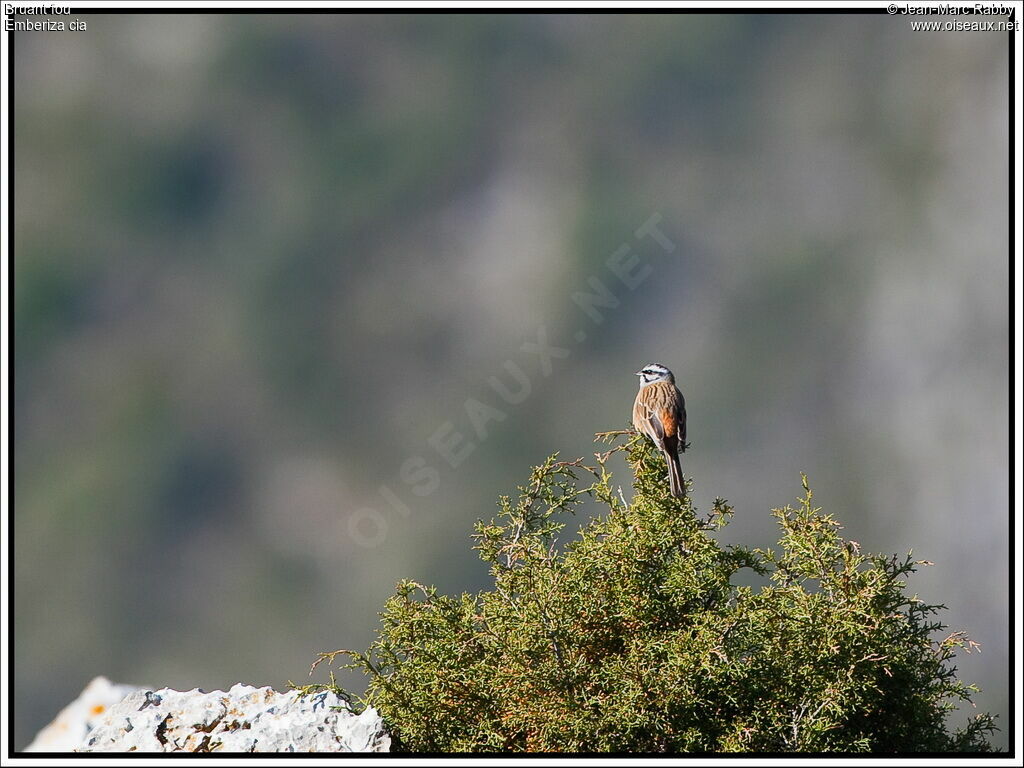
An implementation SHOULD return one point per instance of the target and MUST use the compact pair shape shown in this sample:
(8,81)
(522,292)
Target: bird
(659,413)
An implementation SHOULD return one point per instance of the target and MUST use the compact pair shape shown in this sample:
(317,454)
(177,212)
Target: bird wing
(682,420)
(660,413)
(655,422)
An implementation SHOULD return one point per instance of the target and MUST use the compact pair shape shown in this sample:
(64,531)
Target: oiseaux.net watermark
(971,17)
(965,26)
(455,440)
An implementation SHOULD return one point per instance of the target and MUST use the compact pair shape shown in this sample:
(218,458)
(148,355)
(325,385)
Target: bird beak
(639,373)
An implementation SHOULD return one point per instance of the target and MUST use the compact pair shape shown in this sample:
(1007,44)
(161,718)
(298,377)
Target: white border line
(266,5)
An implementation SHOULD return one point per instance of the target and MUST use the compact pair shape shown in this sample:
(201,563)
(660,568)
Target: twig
(604,435)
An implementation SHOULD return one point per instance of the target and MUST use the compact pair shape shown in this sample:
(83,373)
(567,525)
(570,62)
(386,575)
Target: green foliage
(634,636)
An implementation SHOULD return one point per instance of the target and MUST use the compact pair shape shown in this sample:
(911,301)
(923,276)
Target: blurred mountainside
(265,265)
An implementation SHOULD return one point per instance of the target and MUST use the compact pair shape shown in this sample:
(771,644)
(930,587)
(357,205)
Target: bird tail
(675,475)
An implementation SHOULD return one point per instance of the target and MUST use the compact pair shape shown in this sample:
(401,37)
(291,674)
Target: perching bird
(659,412)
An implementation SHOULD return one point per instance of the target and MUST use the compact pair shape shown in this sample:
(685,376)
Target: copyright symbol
(893,8)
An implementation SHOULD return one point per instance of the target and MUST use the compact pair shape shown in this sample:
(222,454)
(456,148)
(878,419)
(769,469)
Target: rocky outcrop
(243,719)
(69,729)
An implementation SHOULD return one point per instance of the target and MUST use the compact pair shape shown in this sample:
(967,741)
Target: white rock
(244,719)
(69,729)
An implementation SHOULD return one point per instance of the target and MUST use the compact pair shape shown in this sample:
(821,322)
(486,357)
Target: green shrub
(635,638)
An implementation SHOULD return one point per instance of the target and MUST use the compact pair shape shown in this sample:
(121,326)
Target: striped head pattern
(654,372)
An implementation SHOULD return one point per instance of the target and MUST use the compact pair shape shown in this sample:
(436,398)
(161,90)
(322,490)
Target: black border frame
(1008,728)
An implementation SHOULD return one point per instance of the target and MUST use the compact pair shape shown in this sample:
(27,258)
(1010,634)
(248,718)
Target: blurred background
(262,262)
